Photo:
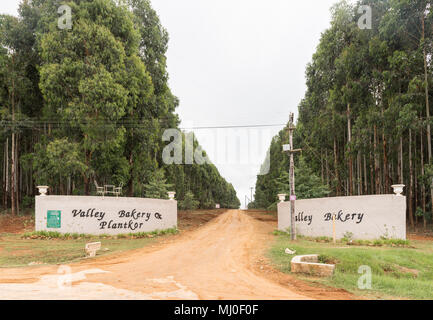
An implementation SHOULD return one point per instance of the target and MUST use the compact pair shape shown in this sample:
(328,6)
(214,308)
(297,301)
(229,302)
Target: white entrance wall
(108,215)
(367,217)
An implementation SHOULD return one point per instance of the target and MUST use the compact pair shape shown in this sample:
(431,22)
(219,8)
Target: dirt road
(220,260)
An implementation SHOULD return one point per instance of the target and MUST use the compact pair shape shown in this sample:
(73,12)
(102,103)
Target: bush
(189,202)
(28,202)
(357,242)
(157,188)
(209,204)
(273,207)
(348,237)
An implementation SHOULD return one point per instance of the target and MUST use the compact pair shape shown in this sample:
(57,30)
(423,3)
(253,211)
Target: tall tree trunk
(385,164)
(376,163)
(411,218)
(427,105)
(373,190)
(349,140)
(6,175)
(359,173)
(131,179)
(322,166)
(401,166)
(415,179)
(13,175)
(337,176)
(423,192)
(365,176)
(327,168)
(87,178)
(17,189)
(61,187)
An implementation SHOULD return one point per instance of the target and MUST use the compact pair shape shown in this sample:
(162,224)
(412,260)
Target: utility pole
(289,149)
(247,202)
(251,194)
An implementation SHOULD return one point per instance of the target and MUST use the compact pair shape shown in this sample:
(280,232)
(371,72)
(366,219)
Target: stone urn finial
(282,197)
(171,195)
(398,189)
(42,190)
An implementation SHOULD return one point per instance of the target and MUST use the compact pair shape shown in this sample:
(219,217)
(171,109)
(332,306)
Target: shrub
(47,235)
(189,202)
(348,237)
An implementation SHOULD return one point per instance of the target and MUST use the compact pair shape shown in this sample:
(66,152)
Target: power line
(127,124)
(236,126)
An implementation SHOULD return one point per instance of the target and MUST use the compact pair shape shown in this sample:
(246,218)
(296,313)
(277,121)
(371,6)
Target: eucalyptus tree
(91,78)
(19,98)
(367,105)
(90,103)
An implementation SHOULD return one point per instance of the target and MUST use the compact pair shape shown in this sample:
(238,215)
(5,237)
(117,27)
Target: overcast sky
(237,63)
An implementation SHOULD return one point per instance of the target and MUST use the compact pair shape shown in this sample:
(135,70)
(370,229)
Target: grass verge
(47,235)
(38,248)
(398,270)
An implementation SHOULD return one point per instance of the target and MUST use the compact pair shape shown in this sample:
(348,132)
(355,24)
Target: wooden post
(292,185)
(292,178)
(334,238)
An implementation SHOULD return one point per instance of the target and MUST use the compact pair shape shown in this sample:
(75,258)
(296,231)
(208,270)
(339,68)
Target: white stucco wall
(108,215)
(367,217)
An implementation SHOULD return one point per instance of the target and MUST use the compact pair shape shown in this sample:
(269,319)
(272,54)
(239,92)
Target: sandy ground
(222,259)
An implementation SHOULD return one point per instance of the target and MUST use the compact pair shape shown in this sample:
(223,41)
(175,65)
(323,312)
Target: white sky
(237,62)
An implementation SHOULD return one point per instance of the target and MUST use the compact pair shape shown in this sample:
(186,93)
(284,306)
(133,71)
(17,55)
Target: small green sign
(54,219)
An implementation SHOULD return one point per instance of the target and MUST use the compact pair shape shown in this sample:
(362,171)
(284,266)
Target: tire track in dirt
(213,262)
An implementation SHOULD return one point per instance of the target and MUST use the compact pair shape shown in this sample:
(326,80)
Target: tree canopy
(91,103)
(364,123)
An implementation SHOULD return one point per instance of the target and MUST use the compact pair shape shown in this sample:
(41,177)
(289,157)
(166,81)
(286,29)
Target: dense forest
(89,105)
(365,121)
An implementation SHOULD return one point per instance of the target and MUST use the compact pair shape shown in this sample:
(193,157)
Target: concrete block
(309,264)
(92,247)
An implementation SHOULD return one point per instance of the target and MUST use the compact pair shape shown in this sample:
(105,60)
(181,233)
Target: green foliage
(157,188)
(189,202)
(283,183)
(92,103)
(57,161)
(49,235)
(348,236)
(308,184)
(398,271)
(363,122)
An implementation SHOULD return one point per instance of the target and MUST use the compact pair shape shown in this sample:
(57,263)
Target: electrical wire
(126,124)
